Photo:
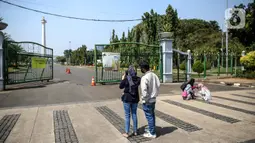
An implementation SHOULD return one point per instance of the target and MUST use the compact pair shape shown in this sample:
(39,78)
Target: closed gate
(179,66)
(23,62)
(112,60)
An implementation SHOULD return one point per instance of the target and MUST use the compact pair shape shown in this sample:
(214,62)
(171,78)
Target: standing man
(149,88)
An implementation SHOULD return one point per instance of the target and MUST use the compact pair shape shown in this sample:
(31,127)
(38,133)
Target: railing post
(235,63)
(218,64)
(231,63)
(243,54)
(204,66)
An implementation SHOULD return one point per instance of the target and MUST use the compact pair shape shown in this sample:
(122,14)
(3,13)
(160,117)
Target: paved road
(76,88)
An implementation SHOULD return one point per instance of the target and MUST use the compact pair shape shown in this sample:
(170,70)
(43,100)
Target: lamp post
(226,44)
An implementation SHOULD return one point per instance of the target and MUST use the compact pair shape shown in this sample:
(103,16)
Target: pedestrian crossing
(228,118)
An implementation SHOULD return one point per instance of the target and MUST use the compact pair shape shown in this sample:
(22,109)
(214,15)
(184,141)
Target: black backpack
(183,86)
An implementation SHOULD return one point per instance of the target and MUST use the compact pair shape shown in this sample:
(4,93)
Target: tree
(198,67)
(61,59)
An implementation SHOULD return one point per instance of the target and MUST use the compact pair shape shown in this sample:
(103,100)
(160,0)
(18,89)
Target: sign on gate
(38,63)
(111,61)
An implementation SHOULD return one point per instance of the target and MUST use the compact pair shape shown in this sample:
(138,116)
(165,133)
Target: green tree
(198,67)
(61,59)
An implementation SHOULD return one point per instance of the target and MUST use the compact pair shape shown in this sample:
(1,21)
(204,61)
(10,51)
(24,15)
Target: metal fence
(216,65)
(25,63)
(128,53)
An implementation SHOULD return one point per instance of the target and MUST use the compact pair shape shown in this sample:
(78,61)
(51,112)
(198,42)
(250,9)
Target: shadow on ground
(160,131)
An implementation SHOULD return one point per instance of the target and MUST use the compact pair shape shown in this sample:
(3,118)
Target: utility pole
(226,43)
(222,45)
(69,52)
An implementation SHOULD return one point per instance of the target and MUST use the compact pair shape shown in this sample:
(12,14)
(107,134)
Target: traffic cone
(66,70)
(93,83)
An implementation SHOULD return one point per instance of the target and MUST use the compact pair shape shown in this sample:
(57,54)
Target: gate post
(167,51)
(1,61)
(189,65)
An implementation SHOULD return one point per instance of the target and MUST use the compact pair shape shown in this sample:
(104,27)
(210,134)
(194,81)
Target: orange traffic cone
(93,83)
(66,70)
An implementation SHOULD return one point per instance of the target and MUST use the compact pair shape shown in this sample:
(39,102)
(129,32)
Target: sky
(24,25)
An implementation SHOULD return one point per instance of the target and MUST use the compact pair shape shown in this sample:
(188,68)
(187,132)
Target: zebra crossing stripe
(228,107)
(240,101)
(204,112)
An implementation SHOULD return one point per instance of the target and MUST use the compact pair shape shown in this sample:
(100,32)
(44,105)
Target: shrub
(198,67)
(208,65)
(249,61)
(99,64)
(183,66)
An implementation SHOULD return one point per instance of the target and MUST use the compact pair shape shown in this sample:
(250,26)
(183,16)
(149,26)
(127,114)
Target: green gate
(112,60)
(23,62)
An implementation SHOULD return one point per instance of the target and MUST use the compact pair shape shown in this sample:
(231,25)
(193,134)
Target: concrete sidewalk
(238,82)
(229,118)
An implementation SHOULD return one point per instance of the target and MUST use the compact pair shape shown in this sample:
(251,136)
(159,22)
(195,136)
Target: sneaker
(134,133)
(149,135)
(146,129)
(125,135)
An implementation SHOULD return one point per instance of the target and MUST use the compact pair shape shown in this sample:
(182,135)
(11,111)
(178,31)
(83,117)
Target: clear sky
(25,25)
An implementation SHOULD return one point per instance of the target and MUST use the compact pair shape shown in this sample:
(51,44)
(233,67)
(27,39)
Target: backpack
(183,86)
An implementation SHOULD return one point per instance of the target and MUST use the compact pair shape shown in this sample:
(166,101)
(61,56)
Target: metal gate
(23,62)
(179,66)
(112,60)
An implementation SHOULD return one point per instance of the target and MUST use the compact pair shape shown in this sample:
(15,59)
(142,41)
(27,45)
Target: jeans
(150,116)
(133,109)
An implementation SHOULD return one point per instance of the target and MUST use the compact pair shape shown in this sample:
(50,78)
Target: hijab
(131,74)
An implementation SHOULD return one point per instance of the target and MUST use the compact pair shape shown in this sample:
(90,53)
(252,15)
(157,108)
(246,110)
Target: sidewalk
(239,82)
(229,118)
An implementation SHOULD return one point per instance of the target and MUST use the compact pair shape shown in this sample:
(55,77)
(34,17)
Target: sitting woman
(204,92)
(188,92)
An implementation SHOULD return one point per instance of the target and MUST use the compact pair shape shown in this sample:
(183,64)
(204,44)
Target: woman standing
(130,98)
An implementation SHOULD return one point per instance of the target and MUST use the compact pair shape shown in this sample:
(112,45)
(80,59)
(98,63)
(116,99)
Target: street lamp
(226,44)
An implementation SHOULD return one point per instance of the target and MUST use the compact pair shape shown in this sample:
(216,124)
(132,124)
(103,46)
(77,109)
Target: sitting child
(204,92)
(187,90)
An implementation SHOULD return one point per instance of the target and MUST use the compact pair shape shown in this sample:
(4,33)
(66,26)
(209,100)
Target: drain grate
(204,112)
(175,121)
(63,128)
(228,107)
(6,125)
(251,97)
(249,141)
(119,123)
(245,102)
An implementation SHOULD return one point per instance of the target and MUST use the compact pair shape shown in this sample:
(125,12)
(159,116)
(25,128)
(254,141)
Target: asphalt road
(75,87)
